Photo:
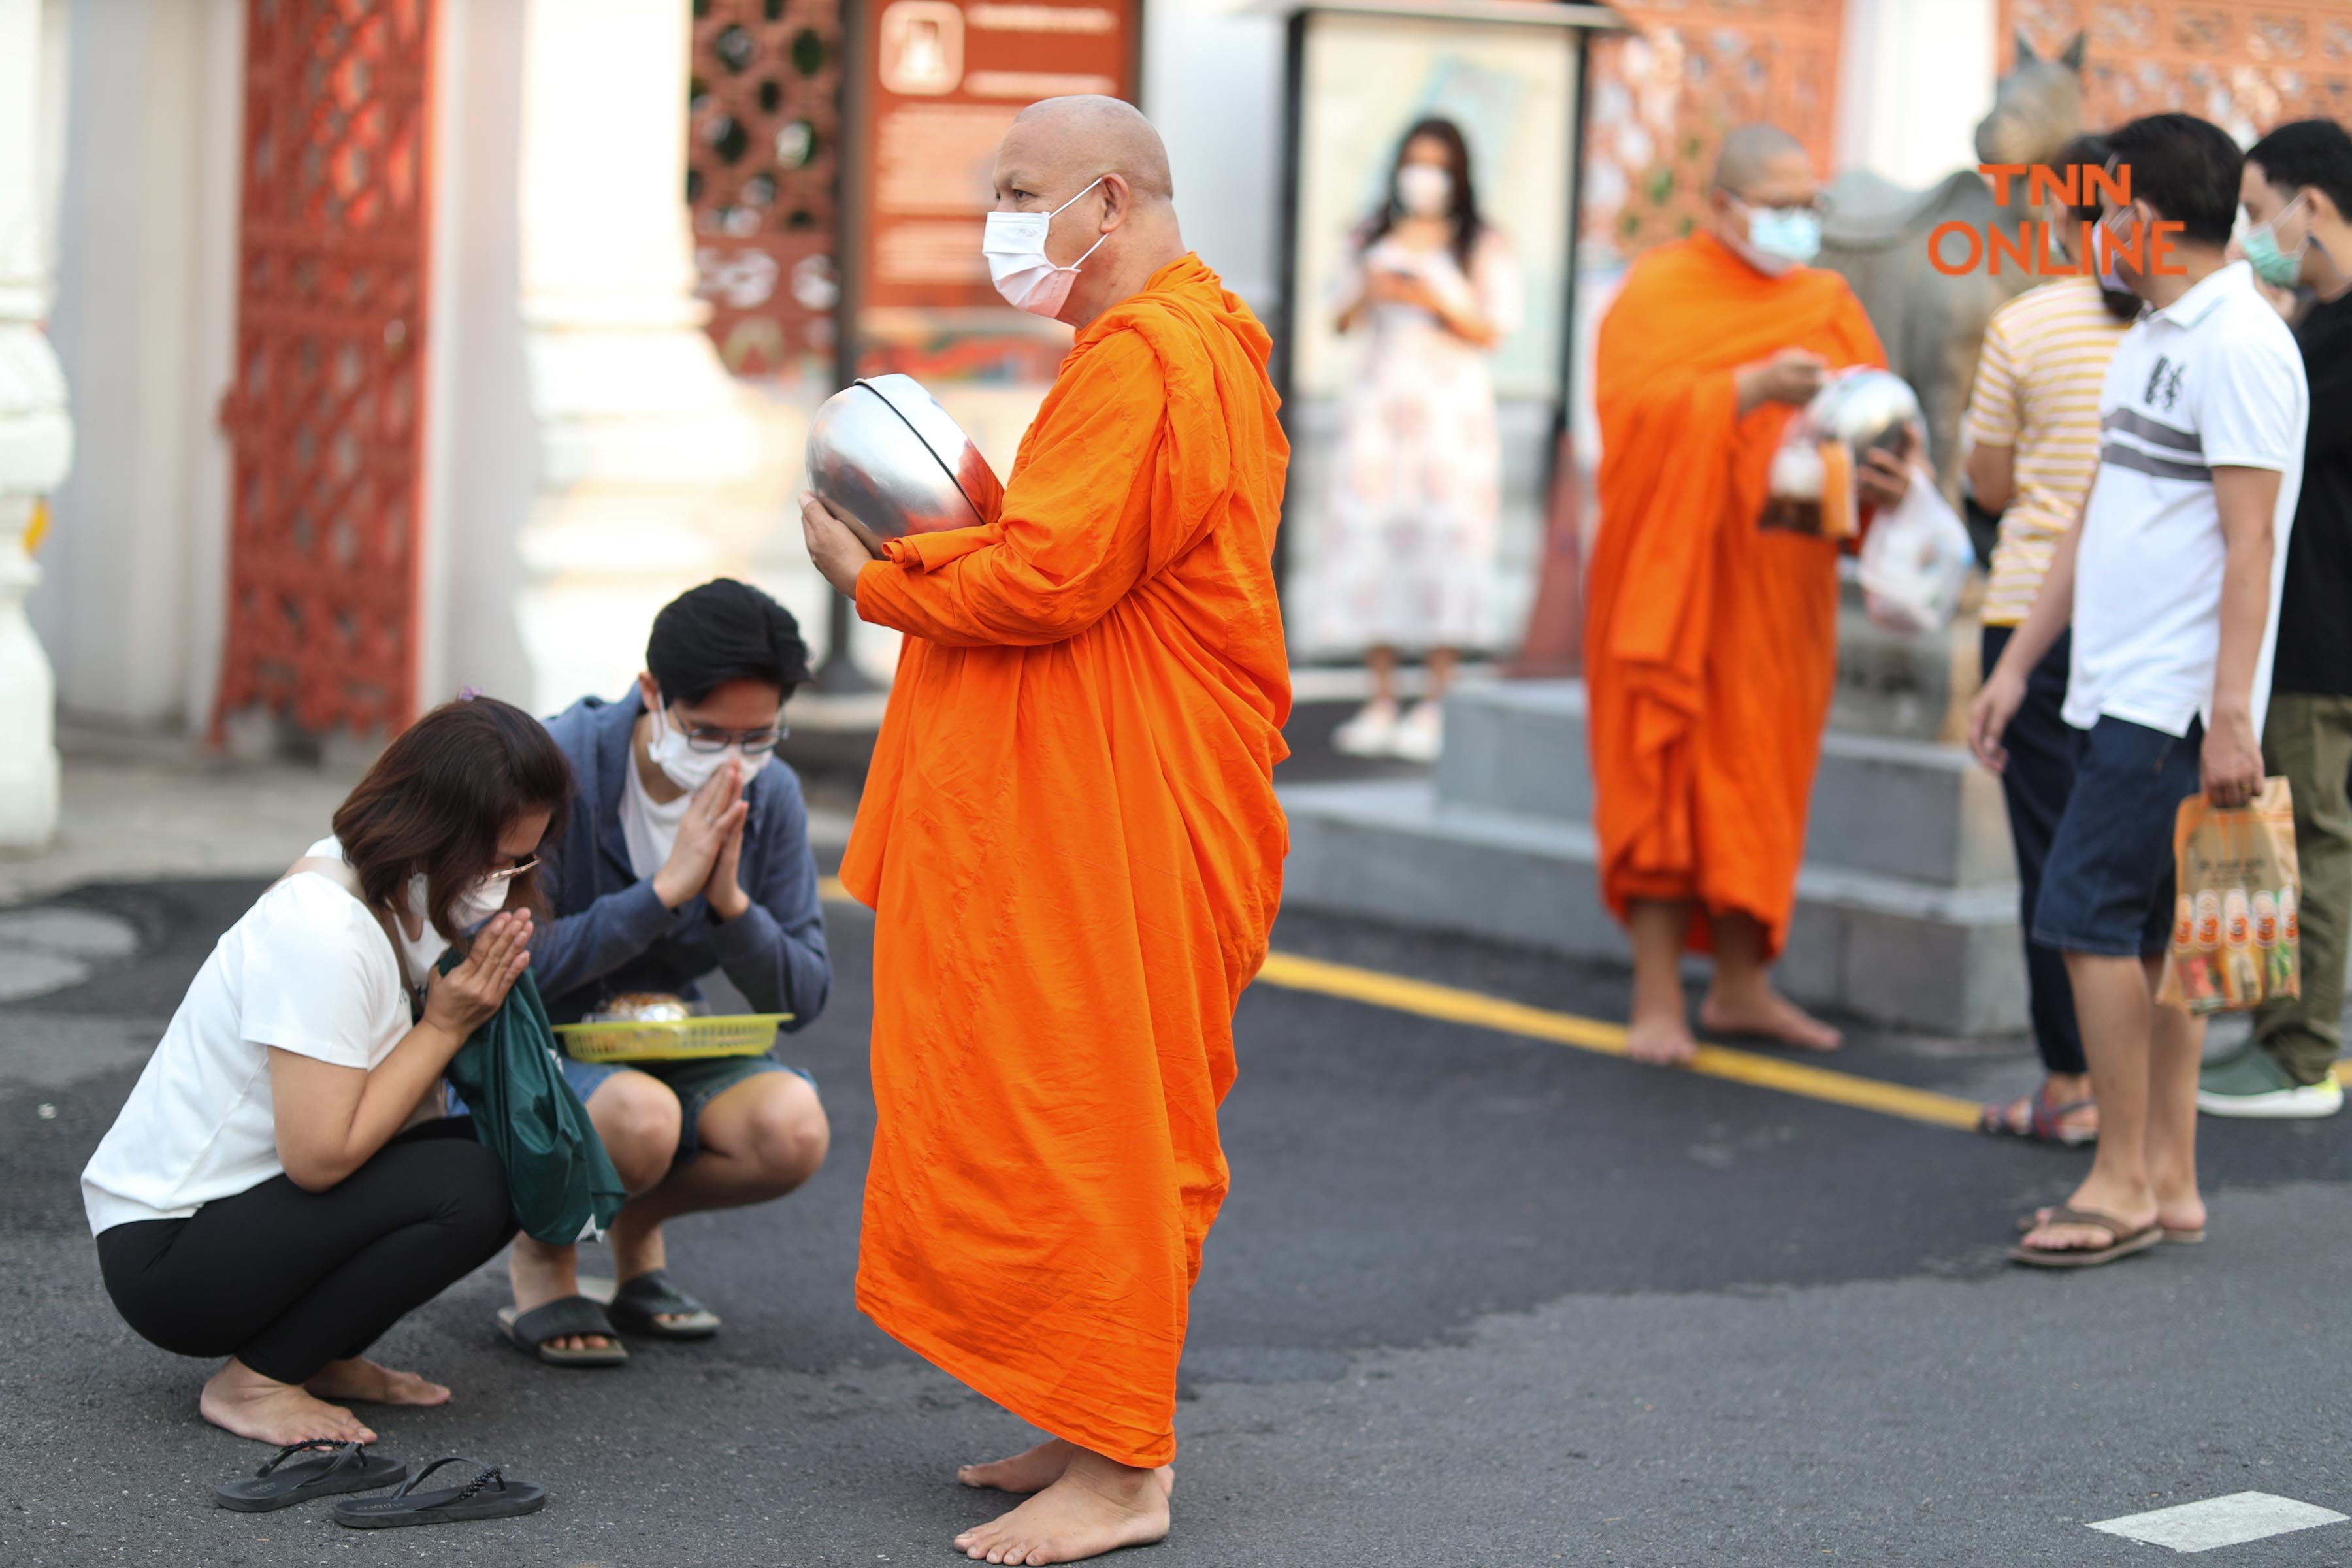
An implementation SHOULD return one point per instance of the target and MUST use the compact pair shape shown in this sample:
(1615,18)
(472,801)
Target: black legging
(287,1281)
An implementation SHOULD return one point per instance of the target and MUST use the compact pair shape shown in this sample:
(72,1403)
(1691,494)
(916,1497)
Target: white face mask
(421,952)
(687,768)
(1014,244)
(1424,190)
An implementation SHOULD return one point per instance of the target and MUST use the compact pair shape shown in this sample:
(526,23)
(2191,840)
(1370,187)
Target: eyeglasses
(754,743)
(510,873)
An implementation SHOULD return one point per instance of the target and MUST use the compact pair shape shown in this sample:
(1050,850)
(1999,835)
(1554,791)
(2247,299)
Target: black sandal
(340,1468)
(640,1304)
(490,1495)
(561,1319)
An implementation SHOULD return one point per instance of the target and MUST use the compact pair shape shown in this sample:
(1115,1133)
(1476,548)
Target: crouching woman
(283,1185)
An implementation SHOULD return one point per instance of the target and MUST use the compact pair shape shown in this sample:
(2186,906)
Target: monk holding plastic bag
(2234,938)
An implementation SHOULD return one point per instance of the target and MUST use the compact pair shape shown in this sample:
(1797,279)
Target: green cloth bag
(559,1178)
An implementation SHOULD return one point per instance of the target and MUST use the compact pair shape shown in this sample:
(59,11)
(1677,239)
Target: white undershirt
(649,826)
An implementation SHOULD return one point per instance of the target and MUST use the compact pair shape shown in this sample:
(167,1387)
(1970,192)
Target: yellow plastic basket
(631,1040)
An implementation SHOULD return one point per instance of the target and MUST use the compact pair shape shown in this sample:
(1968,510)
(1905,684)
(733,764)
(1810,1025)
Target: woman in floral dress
(1406,547)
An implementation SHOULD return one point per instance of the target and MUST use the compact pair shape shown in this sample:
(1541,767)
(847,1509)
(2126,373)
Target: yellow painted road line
(1449,1005)
(830,890)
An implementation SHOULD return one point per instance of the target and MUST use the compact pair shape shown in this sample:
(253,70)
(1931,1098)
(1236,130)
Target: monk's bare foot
(1664,1041)
(1034,1469)
(362,1380)
(241,1400)
(1031,1470)
(1095,1507)
(1764,1014)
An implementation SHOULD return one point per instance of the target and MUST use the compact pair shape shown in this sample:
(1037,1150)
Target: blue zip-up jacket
(612,933)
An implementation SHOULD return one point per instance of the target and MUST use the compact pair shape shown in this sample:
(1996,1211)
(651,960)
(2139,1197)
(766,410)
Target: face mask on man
(1014,244)
(2279,268)
(687,768)
(2110,252)
(1779,239)
(1424,190)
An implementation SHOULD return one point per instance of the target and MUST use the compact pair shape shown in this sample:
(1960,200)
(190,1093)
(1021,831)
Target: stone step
(1943,959)
(1907,809)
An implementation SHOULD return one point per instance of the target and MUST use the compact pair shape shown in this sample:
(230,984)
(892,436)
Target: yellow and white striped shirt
(2044,359)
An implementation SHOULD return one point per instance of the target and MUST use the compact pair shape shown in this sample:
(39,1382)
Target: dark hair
(441,795)
(2308,155)
(2185,168)
(1467,225)
(2091,151)
(724,631)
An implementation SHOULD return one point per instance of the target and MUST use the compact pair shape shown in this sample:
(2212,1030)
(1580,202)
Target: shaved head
(1097,165)
(1106,135)
(1752,155)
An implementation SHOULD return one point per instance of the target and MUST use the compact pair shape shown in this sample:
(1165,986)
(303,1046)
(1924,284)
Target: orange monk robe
(1070,842)
(1710,643)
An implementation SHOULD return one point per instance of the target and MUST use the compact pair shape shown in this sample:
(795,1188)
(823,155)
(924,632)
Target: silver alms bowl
(883,450)
(1865,408)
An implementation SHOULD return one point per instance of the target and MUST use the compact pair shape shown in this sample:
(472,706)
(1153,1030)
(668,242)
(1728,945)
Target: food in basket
(648,1007)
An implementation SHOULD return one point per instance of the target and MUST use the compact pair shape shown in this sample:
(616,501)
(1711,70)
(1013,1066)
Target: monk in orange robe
(1711,644)
(1070,842)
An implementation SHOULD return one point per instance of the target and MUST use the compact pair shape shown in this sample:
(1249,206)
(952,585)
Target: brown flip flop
(2180,1235)
(2125,1241)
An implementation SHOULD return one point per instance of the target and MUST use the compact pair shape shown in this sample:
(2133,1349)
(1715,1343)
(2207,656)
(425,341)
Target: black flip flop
(564,1316)
(490,1495)
(639,1305)
(329,1468)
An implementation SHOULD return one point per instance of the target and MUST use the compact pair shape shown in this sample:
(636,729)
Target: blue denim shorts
(696,1083)
(2106,888)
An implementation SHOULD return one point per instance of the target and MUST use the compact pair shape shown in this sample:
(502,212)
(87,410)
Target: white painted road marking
(2229,1520)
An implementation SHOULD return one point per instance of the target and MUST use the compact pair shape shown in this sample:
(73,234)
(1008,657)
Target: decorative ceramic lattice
(764,118)
(325,415)
(1661,98)
(2245,65)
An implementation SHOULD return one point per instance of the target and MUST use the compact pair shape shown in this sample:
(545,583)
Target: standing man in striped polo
(2032,434)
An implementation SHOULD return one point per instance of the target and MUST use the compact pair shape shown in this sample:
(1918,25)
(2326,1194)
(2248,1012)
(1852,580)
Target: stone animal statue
(1933,323)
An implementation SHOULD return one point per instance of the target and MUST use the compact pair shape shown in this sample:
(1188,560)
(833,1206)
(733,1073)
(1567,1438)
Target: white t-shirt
(2213,379)
(649,826)
(308,970)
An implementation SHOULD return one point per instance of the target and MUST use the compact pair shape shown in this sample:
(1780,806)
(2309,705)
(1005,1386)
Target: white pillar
(36,432)
(657,471)
(133,606)
(1915,77)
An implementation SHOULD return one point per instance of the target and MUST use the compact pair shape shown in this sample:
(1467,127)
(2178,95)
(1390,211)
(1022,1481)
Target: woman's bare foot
(241,1400)
(361,1380)
(1095,1507)
(1763,1013)
(540,1274)
(1034,1469)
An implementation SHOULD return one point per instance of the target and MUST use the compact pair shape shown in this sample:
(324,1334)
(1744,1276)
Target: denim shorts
(2106,888)
(696,1083)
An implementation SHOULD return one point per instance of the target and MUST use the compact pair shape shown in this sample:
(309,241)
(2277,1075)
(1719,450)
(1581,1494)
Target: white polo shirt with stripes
(2213,379)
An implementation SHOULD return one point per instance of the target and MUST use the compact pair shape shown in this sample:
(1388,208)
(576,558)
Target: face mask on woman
(1424,190)
(2279,268)
(1015,245)
(690,769)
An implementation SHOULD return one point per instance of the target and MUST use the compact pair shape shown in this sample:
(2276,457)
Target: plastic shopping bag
(1916,561)
(2235,942)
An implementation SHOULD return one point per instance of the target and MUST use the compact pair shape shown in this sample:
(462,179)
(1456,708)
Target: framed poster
(1507,76)
(941,82)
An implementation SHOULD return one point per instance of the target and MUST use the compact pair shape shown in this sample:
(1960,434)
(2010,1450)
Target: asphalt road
(1474,1299)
